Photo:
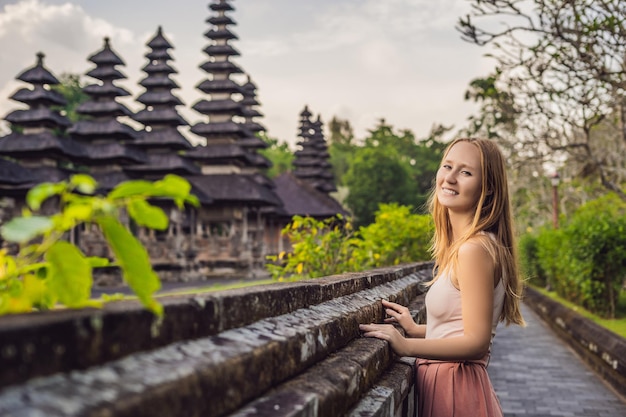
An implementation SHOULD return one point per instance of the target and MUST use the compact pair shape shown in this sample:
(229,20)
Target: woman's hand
(385,332)
(401,315)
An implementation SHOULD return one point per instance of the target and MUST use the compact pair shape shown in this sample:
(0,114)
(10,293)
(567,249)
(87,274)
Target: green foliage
(585,262)
(529,263)
(331,246)
(377,175)
(48,270)
(320,248)
(392,168)
(279,155)
(397,236)
(71,89)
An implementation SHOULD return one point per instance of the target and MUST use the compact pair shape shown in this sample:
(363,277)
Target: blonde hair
(493,216)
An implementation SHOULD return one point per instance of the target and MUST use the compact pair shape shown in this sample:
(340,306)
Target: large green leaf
(134,261)
(145,214)
(40,193)
(69,275)
(84,183)
(131,189)
(23,229)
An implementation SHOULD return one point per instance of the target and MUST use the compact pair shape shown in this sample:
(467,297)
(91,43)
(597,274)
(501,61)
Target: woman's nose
(450,177)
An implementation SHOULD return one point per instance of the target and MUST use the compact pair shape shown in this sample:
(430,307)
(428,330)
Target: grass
(617,325)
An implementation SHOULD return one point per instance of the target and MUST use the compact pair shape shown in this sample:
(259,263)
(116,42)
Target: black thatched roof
(224,106)
(221,130)
(114,153)
(15,174)
(37,117)
(239,189)
(40,145)
(38,96)
(220,154)
(221,6)
(106,90)
(158,65)
(302,199)
(106,73)
(109,108)
(221,67)
(215,34)
(220,20)
(160,117)
(38,75)
(168,137)
(219,86)
(110,179)
(106,56)
(221,50)
(152,98)
(155,80)
(98,130)
(165,163)
(159,41)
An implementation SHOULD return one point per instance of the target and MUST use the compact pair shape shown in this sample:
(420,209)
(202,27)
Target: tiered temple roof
(161,139)
(311,161)
(230,149)
(37,140)
(106,138)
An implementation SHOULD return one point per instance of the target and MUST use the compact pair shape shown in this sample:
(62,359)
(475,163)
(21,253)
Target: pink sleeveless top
(444,313)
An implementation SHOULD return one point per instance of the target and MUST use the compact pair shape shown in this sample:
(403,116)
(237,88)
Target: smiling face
(459,178)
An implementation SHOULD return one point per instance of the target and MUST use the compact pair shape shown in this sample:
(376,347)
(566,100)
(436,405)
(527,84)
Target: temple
(241,212)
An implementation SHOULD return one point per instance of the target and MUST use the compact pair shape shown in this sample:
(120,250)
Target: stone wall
(602,349)
(286,349)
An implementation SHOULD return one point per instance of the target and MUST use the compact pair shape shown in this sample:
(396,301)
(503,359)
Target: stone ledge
(602,349)
(218,374)
(40,344)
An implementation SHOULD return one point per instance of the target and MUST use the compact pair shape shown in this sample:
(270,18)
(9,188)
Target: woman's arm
(475,274)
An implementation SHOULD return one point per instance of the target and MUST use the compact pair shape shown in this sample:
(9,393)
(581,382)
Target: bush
(529,262)
(322,248)
(585,262)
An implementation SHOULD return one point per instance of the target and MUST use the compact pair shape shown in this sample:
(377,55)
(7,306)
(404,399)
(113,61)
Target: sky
(360,60)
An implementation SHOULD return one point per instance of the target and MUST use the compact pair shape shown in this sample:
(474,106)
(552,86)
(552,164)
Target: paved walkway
(536,375)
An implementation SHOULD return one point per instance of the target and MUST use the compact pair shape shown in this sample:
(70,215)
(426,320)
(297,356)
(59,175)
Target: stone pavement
(535,374)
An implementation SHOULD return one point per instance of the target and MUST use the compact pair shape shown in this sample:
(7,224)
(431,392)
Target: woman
(475,286)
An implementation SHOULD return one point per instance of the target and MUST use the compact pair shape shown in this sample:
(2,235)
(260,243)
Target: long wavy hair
(492,216)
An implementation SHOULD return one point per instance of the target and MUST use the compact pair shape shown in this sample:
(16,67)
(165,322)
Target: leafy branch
(47,270)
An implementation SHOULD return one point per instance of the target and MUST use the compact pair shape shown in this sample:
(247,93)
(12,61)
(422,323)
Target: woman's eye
(466,173)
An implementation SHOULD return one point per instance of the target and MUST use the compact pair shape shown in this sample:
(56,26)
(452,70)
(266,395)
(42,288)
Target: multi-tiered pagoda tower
(311,161)
(106,139)
(233,225)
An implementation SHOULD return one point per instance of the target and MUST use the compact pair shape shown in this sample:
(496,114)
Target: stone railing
(603,350)
(285,349)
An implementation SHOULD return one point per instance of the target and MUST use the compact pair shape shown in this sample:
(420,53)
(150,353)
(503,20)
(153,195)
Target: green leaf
(23,229)
(134,262)
(84,183)
(97,262)
(69,274)
(145,214)
(40,193)
(131,189)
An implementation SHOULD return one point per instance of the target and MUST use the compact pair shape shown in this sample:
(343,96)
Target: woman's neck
(460,224)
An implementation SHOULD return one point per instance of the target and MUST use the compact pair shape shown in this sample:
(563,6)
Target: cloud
(65,33)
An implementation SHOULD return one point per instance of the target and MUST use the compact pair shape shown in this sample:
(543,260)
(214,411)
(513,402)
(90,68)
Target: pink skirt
(455,389)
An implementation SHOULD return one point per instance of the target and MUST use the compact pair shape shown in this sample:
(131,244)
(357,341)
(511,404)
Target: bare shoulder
(475,254)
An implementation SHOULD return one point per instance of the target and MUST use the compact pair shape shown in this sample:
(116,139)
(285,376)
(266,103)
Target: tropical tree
(563,64)
(279,155)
